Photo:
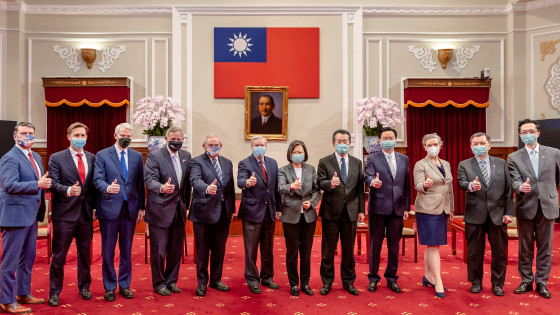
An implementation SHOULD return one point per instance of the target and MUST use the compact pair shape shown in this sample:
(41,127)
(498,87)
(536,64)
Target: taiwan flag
(273,56)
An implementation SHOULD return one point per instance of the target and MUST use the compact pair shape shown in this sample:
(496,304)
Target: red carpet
(414,300)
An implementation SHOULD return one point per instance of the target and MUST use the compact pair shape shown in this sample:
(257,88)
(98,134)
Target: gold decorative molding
(548,48)
(447,83)
(85,81)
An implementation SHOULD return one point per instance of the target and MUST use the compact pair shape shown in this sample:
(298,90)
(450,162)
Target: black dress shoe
(523,288)
(351,289)
(497,290)
(220,286)
(174,289)
(307,290)
(126,293)
(255,289)
(543,291)
(54,300)
(294,291)
(109,295)
(476,288)
(86,294)
(201,290)
(325,289)
(394,287)
(164,291)
(372,287)
(271,285)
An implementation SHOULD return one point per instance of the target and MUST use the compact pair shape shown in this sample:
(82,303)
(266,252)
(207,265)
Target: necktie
(33,163)
(218,169)
(264,122)
(484,169)
(535,162)
(264,171)
(343,169)
(177,169)
(81,168)
(392,166)
(125,171)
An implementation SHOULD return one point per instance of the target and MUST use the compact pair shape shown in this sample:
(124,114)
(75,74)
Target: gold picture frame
(273,126)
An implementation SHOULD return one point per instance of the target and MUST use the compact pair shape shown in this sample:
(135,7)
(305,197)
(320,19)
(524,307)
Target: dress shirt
(259,162)
(212,162)
(485,163)
(391,159)
(265,119)
(26,153)
(529,150)
(299,173)
(75,159)
(339,160)
(119,158)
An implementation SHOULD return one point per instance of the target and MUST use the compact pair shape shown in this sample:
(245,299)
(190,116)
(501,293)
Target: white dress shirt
(339,160)
(299,173)
(26,153)
(75,159)
(265,119)
(179,171)
(391,159)
(537,149)
(481,164)
(119,158)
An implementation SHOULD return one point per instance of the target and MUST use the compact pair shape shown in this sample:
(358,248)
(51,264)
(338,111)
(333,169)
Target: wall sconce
(444,56)
(89,55)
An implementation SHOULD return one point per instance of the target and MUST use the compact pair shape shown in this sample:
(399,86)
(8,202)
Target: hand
(44,182)
(361,217)
(278,216)
(140,216)
(75,190)
(428,182)
(376,183)
(335,181)
(212,188)
(525,187)
(168,187)
(114,188)
(252,181)
(475,184)
(307,205)
(508,219)
(296,185)
(451,217)
(405,216)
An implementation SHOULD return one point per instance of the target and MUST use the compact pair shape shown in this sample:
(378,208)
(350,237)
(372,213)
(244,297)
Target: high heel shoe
(440,294)
(426,283)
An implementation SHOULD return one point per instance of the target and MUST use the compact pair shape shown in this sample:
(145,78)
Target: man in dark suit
(341,178)
(535,176)
(74,198)
(119,180)
(169,192)
(22,204)
(488,210)
(261,205)
(388,177)
(211,211)
(266,123)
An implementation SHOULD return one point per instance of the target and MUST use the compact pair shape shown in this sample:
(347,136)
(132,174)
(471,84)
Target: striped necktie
(484,169)
(218,169)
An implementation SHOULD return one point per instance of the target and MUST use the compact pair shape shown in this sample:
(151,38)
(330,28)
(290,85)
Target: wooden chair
(44,230)
(512,235)
(362,229)
(411,233)
(146,245)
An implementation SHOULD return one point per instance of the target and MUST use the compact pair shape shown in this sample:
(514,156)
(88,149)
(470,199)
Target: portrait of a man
(266,122)
(267,112)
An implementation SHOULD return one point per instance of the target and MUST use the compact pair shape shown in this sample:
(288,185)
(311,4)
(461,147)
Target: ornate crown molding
(424,54)
(431,10)
(548,48)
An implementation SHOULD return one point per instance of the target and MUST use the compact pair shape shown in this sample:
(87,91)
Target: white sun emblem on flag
(240,44)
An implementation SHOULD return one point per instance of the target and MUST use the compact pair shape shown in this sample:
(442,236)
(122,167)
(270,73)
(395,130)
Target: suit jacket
(293,200)
(544,188)
(64,174)
(107,168)
(264,195)
(21,201)
(495,198)
(273,125)
(394,194)
(439,197)
(206,208)
(161,207)
(350,193)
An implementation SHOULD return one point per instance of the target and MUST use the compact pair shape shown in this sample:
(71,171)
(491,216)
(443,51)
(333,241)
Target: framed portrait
(266,112)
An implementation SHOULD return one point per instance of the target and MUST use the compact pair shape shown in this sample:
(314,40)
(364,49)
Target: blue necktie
(535,162)
(218,170)
(123,165)
(343,170)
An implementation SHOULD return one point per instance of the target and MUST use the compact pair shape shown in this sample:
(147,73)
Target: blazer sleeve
(243,175)
(232,187)
(151,174)
(315,192)
(510,209)
(284,182)
(370,173)
(140,185)
(407,188)
(419,176)
(197,182)
(277,194)
(10,181)
(450,194)
(557,168)
(462,178)
(361,191)
(54,174)
(99,178)
(516,180)
(322,177)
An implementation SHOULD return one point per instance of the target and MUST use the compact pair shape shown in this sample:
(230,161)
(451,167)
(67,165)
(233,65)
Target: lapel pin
(183,160)
(493,165)
(543,157)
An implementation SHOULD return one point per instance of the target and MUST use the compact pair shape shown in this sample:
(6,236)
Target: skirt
(432,229)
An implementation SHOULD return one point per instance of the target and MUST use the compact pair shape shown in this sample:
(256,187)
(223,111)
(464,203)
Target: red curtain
(455,126)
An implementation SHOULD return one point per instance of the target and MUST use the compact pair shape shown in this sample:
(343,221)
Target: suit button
(267,190)
(266,202)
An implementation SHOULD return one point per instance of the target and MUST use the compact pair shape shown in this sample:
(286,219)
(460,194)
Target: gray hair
(124,125)
(23,124)
(431,136)
(257,137)
(173,129)
(212,135)
(480,134)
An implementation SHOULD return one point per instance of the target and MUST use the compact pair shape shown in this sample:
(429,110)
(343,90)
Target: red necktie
(81,168)
(33,163)
(264,122)
(264,171)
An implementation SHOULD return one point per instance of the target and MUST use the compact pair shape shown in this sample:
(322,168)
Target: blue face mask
(529,139)
(388,145)
(298,158)
(342,148)
(27,141)
(213,151)
(480,150)
(78,143)
(259,152)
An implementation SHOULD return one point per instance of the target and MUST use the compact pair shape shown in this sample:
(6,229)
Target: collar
(23,150)
(338,157)
(258,161)
(265,119)
(387,154)
(537,148)
(119,150)
(171,153)
(486,160)
(74,152)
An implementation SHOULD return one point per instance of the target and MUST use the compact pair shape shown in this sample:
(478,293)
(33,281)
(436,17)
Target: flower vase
(372,145)
(156,143)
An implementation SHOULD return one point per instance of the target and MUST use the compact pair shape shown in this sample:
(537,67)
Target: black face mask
(175,145)
(124,142)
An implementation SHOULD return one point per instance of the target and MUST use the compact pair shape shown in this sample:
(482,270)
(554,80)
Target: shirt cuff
(161,189)
(470,187)
(68,192)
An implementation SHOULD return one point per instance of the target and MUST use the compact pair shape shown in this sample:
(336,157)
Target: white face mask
(433,151)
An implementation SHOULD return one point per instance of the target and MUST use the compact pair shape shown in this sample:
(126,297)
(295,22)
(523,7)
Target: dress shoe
(163,291)
(54,300)
(476,288)
(351,289)
(294,291)
(523,288)
(497,290)
(109,295)
(543,291)
(440,294)
(426,283)
(174,289)
(14,308)
(86,294)
(255,289)
(201,290)
(220,286)
(393,286)
(29,299)
(271,285)
(126,293)
(307,290)
(325,289)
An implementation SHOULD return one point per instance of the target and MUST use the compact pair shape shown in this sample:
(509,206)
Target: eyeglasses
(532,132)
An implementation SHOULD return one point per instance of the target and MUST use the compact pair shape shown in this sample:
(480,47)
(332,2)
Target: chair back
(513,224)
(45,221)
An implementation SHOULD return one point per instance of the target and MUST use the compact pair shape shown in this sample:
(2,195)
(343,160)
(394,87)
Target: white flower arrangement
(376,113)
(157,114)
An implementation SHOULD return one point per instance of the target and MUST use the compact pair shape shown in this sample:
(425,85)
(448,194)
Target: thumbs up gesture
(75,190)
(252,181)
(335,181)
(428,182)
(212,188)
(525,187)
(475,184)
(376,183)
(45,182)
(114,188)
(168,187)
(296,185)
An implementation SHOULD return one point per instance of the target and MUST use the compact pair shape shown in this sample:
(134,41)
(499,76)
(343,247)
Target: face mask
(480,150)
(27,141)
(78,143)
(342,148)
(175,145)
(213,151)
(124,142)
(433,151)
(388,145)
(298,158)
(529,139)
(259,151)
